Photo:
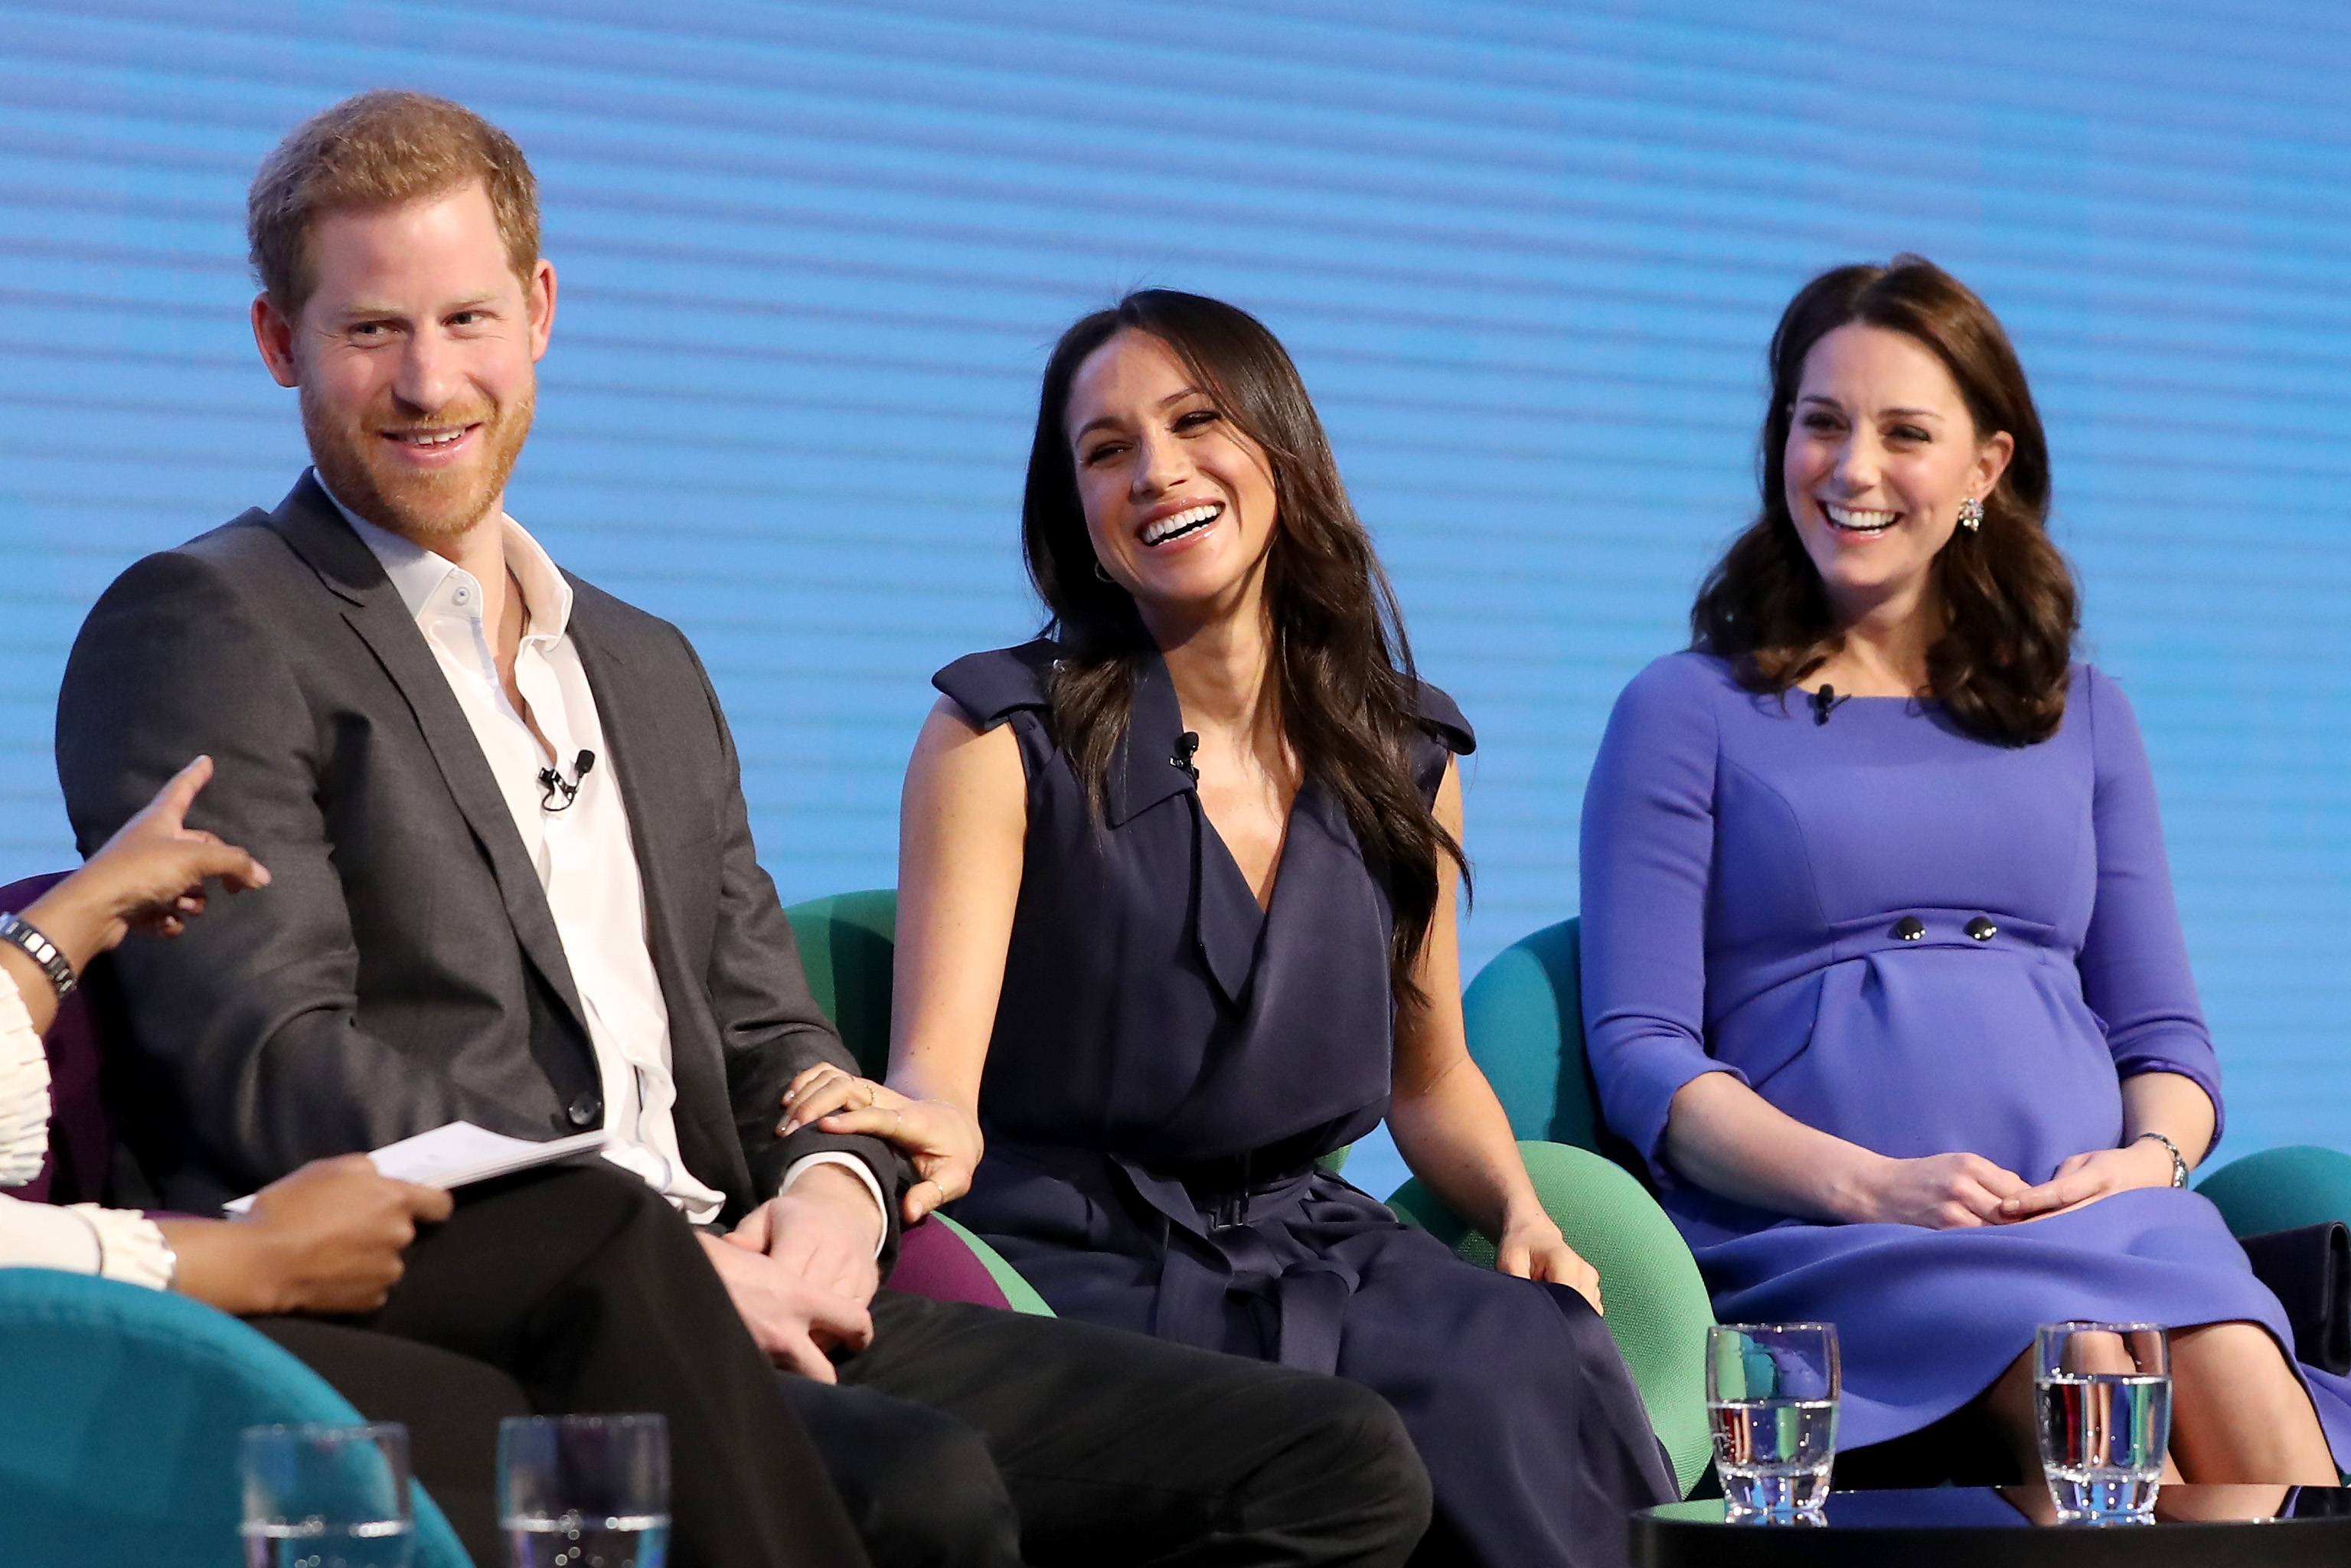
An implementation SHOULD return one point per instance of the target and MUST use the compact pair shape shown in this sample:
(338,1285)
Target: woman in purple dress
(1176,919)
(1882,973)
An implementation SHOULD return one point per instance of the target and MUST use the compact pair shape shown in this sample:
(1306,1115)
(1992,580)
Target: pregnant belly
(1939,1050)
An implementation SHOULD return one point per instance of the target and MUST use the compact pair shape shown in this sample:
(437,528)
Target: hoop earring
(1104,575)
(1972,514)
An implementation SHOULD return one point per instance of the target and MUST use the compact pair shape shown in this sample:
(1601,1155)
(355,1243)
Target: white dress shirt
(584,853)
(82,1239)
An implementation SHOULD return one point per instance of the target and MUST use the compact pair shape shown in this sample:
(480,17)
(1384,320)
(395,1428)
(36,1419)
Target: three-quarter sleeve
(24,1091)
(1647,850)
(2133,961)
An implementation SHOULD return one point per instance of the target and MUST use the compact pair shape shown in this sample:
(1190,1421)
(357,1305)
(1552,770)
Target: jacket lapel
(308,520)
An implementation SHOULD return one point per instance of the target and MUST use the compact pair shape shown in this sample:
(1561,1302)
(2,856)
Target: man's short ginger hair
(382,149)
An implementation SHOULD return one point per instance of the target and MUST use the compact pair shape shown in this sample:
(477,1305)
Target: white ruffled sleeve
(84,1240)
(24,1091)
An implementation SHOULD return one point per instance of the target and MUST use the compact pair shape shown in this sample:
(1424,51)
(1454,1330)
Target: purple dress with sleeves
(1168,1060)
(1922,943)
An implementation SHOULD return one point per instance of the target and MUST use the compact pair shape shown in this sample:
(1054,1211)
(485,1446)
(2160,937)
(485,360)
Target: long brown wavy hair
(1999,666)
(1347,687)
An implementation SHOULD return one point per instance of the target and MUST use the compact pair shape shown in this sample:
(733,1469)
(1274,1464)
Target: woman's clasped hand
(1946,1192)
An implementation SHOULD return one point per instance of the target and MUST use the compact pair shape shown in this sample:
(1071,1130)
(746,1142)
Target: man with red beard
(513,884)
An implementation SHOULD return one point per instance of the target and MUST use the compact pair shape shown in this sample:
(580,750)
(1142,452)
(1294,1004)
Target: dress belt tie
(1214,1259)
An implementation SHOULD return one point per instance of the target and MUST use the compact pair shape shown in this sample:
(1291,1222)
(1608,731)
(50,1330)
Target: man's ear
(273,334)
(539,305)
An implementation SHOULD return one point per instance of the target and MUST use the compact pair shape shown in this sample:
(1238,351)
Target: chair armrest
(2282,1189)
(119,1410)
(1019,1293)
(1657,1308)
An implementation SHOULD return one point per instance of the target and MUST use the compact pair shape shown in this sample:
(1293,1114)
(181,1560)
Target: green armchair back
(1524,1016)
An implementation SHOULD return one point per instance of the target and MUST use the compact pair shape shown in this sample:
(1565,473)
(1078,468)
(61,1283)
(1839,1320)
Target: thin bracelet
(2179,1160)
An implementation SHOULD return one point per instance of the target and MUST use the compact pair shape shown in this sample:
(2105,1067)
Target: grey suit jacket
(402,969)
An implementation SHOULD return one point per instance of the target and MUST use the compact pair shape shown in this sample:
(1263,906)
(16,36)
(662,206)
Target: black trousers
(967,1435)
(580,1289)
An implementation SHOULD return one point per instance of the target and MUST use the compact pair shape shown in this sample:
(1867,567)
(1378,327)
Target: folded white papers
(461,1153)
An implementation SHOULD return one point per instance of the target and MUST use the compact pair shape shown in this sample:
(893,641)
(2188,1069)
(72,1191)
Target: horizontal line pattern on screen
(1527,256)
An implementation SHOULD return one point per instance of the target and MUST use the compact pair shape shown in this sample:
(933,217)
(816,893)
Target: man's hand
(2084,1178)
(792,1320)
(825,1232)
(941,1140)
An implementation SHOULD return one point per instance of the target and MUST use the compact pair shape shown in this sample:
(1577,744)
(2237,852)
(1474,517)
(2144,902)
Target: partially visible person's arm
(2134,976)
(328,1240)
(150,874)
(1448,1125)
(963,823)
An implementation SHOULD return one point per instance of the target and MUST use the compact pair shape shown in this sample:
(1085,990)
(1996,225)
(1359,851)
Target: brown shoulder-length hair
(1349,696)
(1999,666)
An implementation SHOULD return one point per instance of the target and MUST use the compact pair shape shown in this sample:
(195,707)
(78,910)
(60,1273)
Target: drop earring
(1972,514)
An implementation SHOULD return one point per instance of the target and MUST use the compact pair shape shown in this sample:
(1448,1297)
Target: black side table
(1969,1527)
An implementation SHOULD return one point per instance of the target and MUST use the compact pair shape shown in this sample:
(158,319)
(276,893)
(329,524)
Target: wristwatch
(41,951)
(2179,1160)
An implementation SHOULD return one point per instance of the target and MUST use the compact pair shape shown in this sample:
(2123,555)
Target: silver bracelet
(2179,1160)
(26,939)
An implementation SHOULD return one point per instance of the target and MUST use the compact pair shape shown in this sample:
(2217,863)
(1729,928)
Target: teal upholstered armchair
(119,1410)
(1656,1305)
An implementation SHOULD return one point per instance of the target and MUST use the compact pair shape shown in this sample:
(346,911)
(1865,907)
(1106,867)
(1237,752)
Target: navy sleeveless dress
(1169,1059)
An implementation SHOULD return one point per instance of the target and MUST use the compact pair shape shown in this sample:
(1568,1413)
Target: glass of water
(2105,1393)
(326,1497)
(585,1491)
(1771,1395)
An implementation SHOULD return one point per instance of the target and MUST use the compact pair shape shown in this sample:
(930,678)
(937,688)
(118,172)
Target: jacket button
(1910,928)
(1981,930)
(583,1112)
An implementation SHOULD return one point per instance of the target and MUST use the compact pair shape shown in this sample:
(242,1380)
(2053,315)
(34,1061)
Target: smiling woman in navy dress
(1881,968)
(1176,918)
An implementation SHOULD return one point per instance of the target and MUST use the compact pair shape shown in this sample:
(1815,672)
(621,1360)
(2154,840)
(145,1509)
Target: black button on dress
(1168,1062)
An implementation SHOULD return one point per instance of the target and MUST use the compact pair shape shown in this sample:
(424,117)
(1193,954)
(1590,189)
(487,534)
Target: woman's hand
(328,1239)
(942,1140)
(1532,1249)
(151,874)
(2084,1178)
(1940,1192)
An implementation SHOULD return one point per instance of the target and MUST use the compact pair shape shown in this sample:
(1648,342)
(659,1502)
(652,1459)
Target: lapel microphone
(1824,702)
(553,783)
(1187,746)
